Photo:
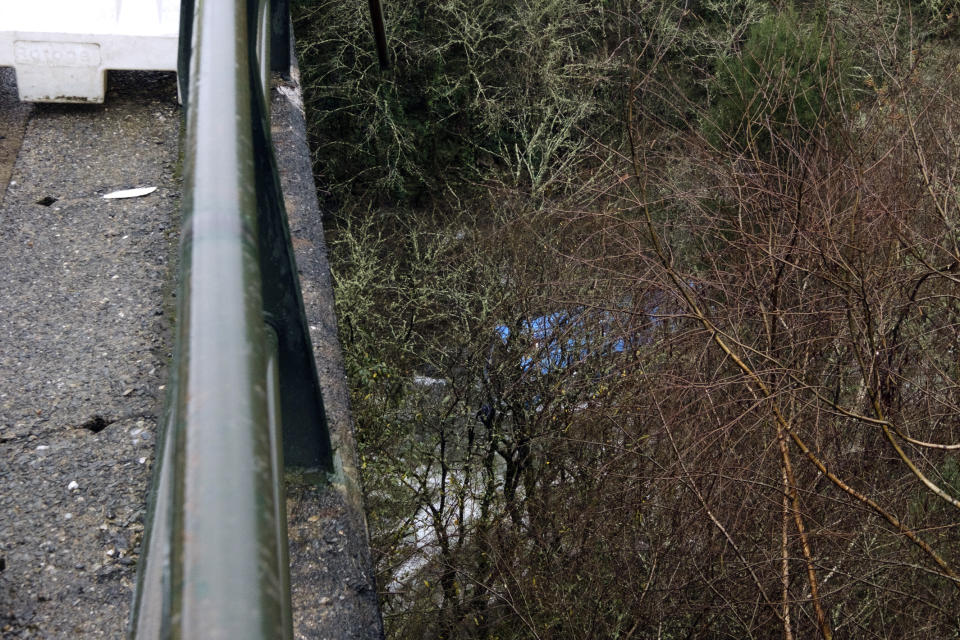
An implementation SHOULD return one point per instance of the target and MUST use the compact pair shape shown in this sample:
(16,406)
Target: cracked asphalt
(84,345)
(86,293)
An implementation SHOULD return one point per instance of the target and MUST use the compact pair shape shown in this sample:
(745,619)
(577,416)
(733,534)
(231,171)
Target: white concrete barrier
(62,49)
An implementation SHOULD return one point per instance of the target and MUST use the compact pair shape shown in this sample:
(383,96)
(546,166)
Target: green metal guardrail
(214,561)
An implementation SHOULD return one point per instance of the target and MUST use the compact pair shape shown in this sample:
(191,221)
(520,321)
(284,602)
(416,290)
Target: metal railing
(214,561)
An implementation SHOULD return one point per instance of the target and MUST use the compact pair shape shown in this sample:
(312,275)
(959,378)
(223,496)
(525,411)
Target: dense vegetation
(650,312)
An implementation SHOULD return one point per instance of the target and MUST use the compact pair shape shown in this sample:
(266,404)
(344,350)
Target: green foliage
(488,180)
(940,16)
(476,88)
(784,84)
(451,414)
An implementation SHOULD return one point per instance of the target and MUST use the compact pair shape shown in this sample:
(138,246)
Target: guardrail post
(223,548)
(184,47)
(279,495)
(306,441)
(280,59)
(215,562)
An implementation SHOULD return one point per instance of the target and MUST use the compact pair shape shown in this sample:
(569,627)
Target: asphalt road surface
(86,303)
